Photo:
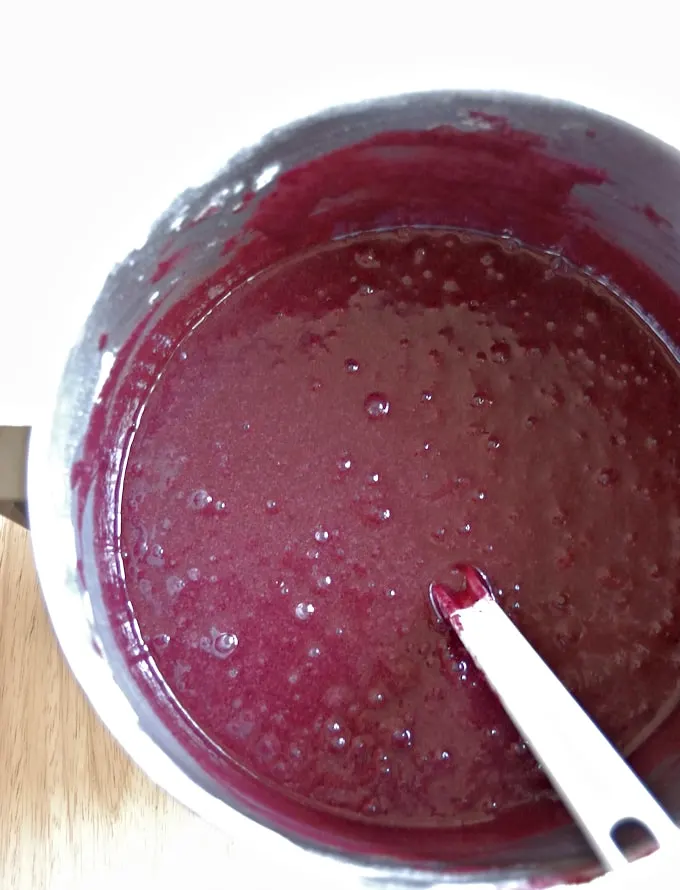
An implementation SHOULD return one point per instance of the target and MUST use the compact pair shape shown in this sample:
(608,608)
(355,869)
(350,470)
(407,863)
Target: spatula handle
(594,781)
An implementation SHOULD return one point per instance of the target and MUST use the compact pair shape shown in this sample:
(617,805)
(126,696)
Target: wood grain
(75,813)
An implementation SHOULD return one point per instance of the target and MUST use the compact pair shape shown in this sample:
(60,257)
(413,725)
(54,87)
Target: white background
(107,110)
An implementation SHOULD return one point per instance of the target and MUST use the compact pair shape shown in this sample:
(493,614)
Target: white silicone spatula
(595,783)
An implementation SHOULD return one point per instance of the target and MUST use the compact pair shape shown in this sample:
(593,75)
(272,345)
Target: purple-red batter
(340,432)
(469,587)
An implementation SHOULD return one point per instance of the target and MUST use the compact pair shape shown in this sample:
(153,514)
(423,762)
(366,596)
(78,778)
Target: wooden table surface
(75,813)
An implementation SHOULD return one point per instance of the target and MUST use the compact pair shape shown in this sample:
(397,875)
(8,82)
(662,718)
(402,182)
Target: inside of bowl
(556,177)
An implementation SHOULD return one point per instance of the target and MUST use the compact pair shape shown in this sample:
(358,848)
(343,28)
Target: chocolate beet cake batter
(339,432)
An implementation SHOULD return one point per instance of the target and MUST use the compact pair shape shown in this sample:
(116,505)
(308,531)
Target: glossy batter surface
(340,432)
